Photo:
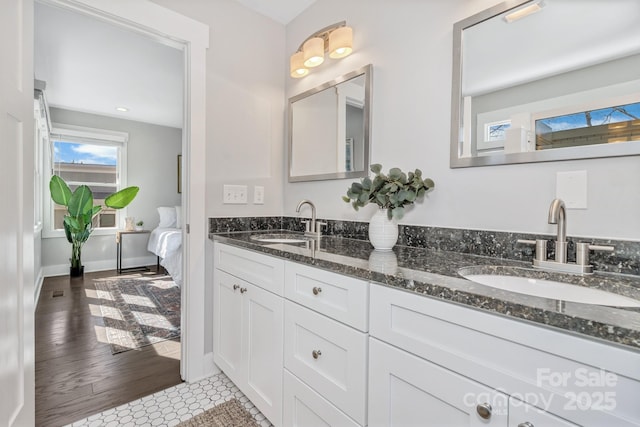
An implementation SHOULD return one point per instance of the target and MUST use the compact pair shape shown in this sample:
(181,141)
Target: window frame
(86,135)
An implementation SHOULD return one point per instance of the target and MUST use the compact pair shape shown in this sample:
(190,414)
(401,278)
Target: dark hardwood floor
(76,374)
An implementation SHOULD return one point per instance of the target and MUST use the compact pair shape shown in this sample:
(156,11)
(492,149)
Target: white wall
(245,103)
(409,44)
(152,153)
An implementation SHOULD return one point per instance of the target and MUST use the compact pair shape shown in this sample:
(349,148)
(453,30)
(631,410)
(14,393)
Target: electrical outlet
(258,195)
(234,194)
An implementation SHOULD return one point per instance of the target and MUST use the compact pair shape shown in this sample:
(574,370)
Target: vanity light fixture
(524,11)
(336,39)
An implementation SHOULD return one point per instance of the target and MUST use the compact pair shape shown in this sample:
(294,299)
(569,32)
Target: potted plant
(139,225)
(391,193)
(80,212)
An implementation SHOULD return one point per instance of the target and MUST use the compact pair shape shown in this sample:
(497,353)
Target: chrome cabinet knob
(484,410)
(316,354)
(243,290)
(525,424)
(236,287)
(316,290)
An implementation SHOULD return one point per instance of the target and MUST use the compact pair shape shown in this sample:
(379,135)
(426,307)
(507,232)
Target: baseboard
(37,289)
(102,265)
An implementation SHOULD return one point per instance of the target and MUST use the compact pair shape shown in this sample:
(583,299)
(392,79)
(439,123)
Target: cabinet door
(303,407)
(227,325)
(263,348)
(522,414)
(406,391)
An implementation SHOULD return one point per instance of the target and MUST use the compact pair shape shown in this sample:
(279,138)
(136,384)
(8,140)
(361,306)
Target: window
(618,123)
(91,157)
(496,131)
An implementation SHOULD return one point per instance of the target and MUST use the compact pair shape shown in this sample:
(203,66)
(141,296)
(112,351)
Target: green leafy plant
(80,212)
(392,192)
(140,223)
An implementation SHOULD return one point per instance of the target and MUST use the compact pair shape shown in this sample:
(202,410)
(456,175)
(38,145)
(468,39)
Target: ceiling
(282,11)
(95,67)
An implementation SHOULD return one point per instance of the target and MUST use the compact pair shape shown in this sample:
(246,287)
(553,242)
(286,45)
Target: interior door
(16,218)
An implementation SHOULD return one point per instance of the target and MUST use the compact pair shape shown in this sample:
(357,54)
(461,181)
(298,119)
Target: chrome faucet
(313,228)
(558,215)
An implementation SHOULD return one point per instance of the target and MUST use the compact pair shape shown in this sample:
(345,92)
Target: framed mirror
(329,128)
(546,80)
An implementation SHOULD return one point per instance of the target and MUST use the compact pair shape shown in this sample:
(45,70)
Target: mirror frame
(367,72)
(573,153)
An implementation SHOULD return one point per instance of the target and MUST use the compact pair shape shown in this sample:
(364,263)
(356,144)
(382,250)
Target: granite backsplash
(497,244)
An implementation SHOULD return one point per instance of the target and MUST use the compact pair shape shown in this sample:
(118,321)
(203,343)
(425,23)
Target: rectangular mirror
(546,80)
(329,129)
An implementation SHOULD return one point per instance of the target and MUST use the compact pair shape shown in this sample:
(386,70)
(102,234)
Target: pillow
(178,216)
(167,216)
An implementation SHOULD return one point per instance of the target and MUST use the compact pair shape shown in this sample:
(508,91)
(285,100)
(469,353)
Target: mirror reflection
(329,129)
(546,80)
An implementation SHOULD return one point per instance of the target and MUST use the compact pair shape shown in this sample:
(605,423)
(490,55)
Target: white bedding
(167,244)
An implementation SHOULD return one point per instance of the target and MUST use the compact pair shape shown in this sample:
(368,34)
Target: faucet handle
(582,251)
(307,224)
(541,247)
(319,226)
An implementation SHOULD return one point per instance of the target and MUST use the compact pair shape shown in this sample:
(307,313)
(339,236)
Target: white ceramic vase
(383,232)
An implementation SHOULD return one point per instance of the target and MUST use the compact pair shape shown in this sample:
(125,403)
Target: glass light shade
(313,52)
(297,68)
(341,42)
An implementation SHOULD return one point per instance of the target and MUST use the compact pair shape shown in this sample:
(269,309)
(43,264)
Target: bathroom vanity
(331,333)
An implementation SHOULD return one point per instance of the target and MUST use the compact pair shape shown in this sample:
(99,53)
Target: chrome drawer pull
(236,287)
(525,424)
(243,290)
(316,354)
(316,290)
(484,410)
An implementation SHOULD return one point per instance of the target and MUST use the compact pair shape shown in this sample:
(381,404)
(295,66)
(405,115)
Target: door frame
(192,37)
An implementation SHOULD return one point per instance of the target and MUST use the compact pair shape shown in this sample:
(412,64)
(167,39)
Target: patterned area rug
(139,312)
(228,414)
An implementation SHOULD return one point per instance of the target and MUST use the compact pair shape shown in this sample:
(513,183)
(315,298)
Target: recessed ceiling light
(122,109)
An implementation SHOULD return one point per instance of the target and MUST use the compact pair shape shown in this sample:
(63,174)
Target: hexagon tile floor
(171,406)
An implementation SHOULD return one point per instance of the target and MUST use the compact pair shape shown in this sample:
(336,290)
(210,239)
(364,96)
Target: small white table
(119,235)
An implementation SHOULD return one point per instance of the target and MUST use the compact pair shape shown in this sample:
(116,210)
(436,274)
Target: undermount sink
(280,238)
(547,288)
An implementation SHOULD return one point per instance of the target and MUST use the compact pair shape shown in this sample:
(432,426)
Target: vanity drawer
(303,407)
(329,357)
(516,357)
(261,270)
(342,298)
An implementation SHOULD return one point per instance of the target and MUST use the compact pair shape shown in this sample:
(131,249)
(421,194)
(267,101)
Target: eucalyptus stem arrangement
(391,192)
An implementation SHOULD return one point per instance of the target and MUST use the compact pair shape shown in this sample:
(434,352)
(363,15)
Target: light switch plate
(571,187)
(258,195)
(234,194)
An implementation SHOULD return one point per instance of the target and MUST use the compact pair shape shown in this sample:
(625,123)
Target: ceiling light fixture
(524,11)
(122,109)
(336,39)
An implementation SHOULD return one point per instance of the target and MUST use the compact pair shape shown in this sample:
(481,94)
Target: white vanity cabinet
(406,390)
(248,325)
(434,360)
(325,348)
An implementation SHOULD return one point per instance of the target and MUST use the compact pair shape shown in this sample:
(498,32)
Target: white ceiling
(94,67)
(282,11)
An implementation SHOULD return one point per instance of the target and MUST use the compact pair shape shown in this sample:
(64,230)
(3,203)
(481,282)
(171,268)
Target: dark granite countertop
(434,274)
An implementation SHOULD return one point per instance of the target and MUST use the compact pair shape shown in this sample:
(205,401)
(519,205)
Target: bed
(165,241)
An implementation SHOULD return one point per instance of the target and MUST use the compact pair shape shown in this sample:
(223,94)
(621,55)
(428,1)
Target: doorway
(192,36)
